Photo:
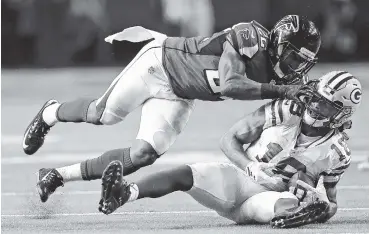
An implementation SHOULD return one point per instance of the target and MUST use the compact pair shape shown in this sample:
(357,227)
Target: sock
(134,192)
(71,173)
(49,114)
(93,169)
(74,111)
(165,182)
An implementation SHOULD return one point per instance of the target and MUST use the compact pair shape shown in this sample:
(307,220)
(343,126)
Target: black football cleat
(301,215)
(36,131)
(115,190)
(48,180)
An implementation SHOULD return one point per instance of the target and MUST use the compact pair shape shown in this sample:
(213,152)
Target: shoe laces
(53,180)
(40,131)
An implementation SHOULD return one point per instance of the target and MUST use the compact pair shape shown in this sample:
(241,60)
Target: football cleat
(115,191)
(301,215)
(48,180)
(36,131)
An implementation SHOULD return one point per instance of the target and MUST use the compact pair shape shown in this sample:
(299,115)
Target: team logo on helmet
(355,95)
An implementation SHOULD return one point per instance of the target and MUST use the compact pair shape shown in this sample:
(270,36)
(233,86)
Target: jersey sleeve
(341,159)
(280,111)
(244,39)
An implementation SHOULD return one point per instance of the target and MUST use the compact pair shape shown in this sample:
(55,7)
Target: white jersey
(282,143)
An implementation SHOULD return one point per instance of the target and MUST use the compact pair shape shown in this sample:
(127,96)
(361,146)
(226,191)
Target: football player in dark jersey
(245,62)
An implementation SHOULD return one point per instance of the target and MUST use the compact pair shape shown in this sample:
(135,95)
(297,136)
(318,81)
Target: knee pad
(98,114)
(93,115)
(159,138)
(108,118)
(162,121)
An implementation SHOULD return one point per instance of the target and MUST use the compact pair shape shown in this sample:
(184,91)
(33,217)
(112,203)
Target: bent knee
(103,113)
(143,154)
(160,140)
(108,118)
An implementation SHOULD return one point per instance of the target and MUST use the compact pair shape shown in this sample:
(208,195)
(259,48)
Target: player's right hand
(292,92)
(297,92)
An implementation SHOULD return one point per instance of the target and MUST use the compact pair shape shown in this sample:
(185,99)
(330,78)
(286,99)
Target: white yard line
(167,159)
(92,192)
(188,212)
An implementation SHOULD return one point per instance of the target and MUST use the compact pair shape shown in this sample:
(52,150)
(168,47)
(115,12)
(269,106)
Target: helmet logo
(289,23)
(355,95)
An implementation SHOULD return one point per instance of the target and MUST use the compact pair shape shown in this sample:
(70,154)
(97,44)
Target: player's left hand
(306,193)
(255,170)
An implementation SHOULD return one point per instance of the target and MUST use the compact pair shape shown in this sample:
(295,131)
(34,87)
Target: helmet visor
(294,60)
(320,108)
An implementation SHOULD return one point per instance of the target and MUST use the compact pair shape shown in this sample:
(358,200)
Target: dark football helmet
(294,44)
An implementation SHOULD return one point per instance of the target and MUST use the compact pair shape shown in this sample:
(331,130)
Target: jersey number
(212,78)
(288,167)
(273,150)
(343,144)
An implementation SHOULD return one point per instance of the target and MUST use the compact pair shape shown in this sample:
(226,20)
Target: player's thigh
(162,121)
(261,207)
(129,89)
(219,186)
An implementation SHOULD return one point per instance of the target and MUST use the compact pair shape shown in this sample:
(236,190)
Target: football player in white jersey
(285,138)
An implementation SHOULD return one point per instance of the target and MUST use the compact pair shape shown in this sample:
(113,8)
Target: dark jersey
(192,63)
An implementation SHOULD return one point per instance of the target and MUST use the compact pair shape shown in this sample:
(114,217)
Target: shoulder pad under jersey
(248,38)
(282,111)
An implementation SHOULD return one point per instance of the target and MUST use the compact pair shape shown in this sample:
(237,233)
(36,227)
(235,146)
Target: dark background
(59,33)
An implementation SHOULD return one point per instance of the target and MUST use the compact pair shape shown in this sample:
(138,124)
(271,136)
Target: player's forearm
(238,89)
(331,192)
(233,149)
(241,88)
(332,210)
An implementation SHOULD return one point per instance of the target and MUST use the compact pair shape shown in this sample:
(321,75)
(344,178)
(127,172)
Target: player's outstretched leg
(116,191)
(36,131)
(52,112)
(90,169)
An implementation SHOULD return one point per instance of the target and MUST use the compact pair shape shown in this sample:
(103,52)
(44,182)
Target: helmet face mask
(321,111)
(294,42)
(293,63)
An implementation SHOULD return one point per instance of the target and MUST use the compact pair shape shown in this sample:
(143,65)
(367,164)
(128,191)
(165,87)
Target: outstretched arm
(331,191)
(245,131)
(234,83)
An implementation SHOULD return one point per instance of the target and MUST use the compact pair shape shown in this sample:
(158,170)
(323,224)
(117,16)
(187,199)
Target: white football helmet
(335,97)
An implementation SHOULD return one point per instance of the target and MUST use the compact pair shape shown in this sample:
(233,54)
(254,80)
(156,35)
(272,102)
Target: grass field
(73,209)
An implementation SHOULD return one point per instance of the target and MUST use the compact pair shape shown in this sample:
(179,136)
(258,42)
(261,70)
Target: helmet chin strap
(307,119)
